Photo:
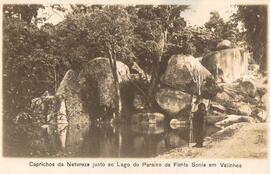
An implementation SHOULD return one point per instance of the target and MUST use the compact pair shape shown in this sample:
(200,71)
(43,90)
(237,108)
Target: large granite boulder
(184,77)
(227,65)
(97,83)
(70,89)
(185,73)
(65,106)
(100,68)
(172,101)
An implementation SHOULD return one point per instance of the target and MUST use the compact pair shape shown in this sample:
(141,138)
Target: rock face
(100,68)
(243,88)
(227,65)
(185,73)
(247,84)
(184,77)
(233,105)
(97,83)
(172,101)
(70,89)
(65,106)
(78,93)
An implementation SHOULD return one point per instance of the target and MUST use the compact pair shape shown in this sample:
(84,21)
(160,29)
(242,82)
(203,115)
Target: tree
(221,30)
(115,34)
(193,40)
(216,25)
(22,12)
(26,66)
(153,29)
(254,18)
(109,31)
(215,22)
(30,66)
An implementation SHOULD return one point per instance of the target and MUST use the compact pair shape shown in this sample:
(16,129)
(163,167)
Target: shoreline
(240,140)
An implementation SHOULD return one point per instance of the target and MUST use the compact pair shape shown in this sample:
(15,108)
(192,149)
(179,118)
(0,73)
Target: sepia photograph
(136,81)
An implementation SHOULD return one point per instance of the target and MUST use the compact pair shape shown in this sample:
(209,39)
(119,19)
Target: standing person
(198,124)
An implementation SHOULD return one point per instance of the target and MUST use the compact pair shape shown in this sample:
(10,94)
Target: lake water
(104,140)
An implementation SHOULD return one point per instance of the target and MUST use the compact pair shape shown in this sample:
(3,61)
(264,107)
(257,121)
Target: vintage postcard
(134,86)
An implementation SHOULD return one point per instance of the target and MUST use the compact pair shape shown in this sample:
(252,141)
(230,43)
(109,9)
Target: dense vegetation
(255,22)
(35,59)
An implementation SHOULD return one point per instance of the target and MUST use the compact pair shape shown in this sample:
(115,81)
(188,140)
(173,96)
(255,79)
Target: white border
(20,165)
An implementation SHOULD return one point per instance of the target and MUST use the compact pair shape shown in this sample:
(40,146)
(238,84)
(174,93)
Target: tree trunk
(156,69)
(55,79)
(118,101)
(154,82)
(166,35)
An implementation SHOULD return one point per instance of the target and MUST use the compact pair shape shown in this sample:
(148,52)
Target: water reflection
(106,140)
(148,128)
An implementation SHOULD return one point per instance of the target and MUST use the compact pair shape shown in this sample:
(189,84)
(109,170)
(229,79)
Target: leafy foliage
(221,30)
(254,18)
(35,59)
(27,67)
(23,12)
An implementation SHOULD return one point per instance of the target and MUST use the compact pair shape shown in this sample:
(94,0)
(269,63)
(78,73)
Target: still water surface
(105,140)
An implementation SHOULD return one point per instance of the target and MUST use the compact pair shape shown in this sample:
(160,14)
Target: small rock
(262,116)
(244,109)
(214,119)
(264,100)
(225,96)
(218,107)
(176,123)
(253,67)
(231,119)
(45,126)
